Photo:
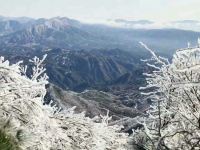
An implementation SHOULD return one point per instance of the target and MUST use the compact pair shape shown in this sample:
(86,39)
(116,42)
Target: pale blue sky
(99,10)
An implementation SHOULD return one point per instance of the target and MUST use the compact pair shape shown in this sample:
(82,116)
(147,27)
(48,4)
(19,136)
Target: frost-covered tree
(173,120)
(28,124)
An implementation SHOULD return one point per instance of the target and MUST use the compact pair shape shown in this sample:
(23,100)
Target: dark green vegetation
(8,142)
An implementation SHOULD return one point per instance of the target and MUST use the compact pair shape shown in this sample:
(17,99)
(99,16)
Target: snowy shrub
(173,120)
(34,126)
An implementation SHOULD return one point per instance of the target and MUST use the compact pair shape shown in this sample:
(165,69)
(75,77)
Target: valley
(94,67)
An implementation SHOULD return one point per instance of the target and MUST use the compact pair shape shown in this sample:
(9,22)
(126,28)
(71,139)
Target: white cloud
(162,12)
(100,10)
(145,24)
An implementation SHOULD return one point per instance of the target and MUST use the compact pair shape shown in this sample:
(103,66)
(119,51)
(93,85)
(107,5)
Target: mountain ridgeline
(80,70)
(70,34)
(92,57)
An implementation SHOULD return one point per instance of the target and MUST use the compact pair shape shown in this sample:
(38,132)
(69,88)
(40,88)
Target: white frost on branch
(173,120)
(43,127)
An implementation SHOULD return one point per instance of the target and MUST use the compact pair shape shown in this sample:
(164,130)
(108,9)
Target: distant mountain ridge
(90,57)
(87,55)
(62,32)
(84,55)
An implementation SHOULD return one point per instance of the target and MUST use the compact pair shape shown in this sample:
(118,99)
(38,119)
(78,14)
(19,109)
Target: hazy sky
(99,10)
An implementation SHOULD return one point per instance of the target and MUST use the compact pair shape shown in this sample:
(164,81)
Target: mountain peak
(56,23)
